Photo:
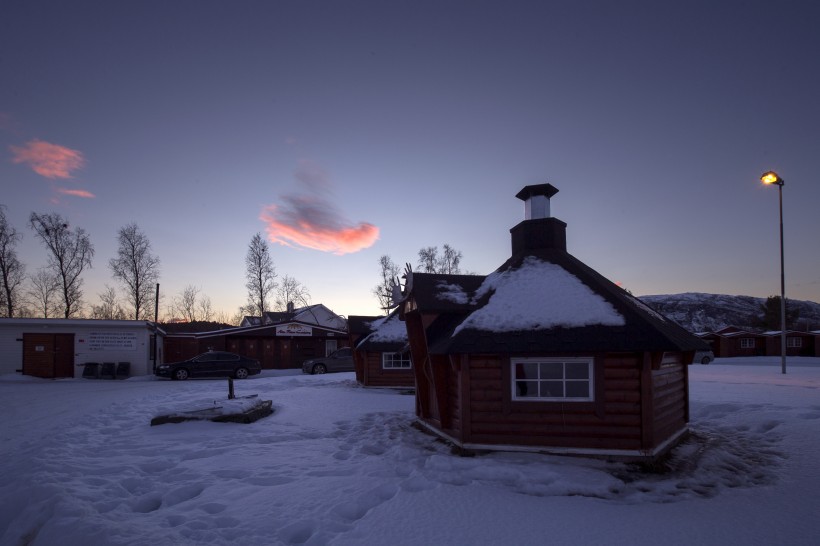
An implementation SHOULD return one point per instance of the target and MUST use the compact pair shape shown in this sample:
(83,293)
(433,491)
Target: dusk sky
(345,130)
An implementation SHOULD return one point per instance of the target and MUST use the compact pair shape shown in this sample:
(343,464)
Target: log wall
(611,421)
(375,376)
(670,398)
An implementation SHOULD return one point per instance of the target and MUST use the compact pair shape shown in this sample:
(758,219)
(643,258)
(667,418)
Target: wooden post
(230,389)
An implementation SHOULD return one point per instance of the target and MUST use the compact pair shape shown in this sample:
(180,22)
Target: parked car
(211,364)
(340,360)
(704,357)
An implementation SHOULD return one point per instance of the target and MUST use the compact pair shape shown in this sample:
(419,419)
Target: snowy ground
(338,464)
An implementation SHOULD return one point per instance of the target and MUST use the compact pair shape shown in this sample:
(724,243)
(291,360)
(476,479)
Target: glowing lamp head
(770,178)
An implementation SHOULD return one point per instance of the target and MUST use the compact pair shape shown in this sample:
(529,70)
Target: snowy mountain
(699,312)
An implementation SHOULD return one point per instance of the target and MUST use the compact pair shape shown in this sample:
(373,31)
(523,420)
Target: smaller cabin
(545,354)
(380,351)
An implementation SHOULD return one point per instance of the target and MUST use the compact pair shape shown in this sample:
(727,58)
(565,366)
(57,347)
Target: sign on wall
(293,330)
(110,341)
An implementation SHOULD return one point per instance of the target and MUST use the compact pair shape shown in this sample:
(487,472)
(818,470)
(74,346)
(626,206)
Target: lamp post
(770,178)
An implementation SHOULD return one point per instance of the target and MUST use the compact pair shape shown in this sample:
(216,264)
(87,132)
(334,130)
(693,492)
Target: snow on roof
(538,296)
(648,309)
(451,292)
(388,329)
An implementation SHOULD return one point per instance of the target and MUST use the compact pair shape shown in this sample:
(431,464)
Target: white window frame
(330,346)
(747,343)
(589,361)
(794,342)
(395,361)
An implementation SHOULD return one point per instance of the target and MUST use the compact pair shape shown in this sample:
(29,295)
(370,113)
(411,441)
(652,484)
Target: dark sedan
(211,364)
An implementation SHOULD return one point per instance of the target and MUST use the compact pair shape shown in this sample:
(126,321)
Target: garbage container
(91,370)
(108,370)
(123,370)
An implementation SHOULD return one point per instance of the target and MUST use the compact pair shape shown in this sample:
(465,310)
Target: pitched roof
(527,296)
(386,334)
(361,324)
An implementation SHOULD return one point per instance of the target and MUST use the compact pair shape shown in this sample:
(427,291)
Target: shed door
(48,355)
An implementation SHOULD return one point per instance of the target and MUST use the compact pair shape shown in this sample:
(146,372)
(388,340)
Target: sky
(82,465)
(344,131)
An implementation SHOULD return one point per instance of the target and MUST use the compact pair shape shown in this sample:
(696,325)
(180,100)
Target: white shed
(54,348)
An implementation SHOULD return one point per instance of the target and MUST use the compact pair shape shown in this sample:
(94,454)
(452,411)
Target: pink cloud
(311,221)
(76,193)
(49,160)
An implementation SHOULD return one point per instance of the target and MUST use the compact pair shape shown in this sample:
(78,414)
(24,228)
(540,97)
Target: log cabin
(358,326)
(545,354)
(380,351)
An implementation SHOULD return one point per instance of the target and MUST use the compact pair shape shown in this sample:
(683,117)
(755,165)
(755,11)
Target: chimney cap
(547,190)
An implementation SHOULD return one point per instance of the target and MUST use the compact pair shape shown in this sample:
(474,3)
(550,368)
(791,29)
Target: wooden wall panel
(613,422)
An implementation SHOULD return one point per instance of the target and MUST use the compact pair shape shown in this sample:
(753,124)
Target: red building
(275,346)
(380,351)
(545,354)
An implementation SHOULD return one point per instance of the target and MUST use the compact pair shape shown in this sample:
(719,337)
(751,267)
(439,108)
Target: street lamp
(770,178)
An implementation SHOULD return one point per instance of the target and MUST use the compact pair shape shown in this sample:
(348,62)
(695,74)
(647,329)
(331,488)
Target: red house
(275,346)
(797,343)
(545,354)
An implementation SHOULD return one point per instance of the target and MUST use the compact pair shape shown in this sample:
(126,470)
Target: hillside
(699,312)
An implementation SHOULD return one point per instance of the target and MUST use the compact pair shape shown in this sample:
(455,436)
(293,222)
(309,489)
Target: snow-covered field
(338,464)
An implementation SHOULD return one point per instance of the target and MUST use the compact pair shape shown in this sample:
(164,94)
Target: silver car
(704,357)
(340,360)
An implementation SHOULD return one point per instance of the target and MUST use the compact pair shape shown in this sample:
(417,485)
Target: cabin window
(330,346)
(794,342)
(747,343)
(552,379)
(393,361)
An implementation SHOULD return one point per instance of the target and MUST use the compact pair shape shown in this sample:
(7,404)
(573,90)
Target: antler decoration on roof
(398,293)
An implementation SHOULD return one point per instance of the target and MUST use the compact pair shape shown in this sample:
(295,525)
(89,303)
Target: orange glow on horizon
(47,159)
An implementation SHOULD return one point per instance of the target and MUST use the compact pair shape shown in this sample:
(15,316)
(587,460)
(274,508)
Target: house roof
(300,314)
(238,330)
(543,300)
(361,324)
(386,334)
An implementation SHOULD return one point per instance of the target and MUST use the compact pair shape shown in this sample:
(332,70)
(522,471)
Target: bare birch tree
(205,310)
(291,290)
(260,276)
(137,269)
(428,259)
(70,254)
(44,293)
(110,307)
(383,291)
(12,270)
(449,263)
(184,305)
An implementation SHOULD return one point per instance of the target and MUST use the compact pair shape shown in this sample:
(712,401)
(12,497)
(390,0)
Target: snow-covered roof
(538,295)
(387,333)
(543,301)
(388,329)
